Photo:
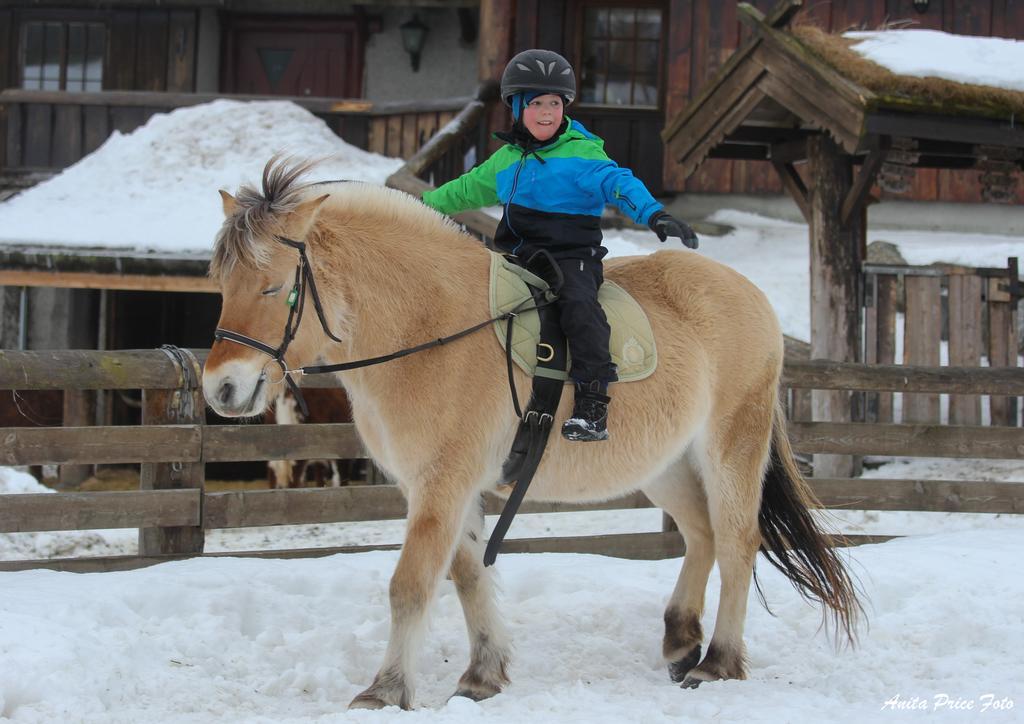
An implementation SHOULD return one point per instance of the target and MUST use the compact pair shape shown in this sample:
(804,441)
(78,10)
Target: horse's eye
(271,292)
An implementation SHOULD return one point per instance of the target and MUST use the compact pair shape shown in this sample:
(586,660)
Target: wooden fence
(50,130)
(972,310)
(172,510)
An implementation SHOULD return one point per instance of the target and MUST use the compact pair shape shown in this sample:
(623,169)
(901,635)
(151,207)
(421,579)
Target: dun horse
(703,437)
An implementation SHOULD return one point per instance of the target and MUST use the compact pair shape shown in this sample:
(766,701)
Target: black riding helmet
(538,71)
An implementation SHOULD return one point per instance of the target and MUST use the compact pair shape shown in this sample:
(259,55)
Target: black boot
(589,421)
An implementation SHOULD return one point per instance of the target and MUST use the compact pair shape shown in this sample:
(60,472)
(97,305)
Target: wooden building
(639,64)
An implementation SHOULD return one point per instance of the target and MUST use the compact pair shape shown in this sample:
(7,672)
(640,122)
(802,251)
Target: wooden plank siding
(181,50)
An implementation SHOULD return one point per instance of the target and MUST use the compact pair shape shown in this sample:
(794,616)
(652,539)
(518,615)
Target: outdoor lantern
(414,35)
(920,5)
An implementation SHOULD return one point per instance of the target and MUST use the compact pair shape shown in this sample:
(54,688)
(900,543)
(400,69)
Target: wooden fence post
(922,334)
(78,412)
(966,341)
(181,406)
(1002,336)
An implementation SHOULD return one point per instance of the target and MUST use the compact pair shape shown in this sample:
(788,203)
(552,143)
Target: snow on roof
(156,187)
(993,62)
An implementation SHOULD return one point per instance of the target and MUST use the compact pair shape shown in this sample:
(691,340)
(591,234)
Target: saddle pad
(632,341)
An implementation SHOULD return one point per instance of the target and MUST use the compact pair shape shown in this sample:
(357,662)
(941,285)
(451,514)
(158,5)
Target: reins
(296,302)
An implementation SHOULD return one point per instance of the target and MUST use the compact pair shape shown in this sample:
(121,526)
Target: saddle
(533,339)
(632,344)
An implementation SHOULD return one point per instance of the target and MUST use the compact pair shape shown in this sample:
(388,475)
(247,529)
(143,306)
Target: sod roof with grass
(909,92)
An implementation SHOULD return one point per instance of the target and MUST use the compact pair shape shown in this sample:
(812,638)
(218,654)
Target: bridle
(296,303)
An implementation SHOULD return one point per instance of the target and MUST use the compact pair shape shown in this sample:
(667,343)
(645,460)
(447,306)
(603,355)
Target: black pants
(583,320)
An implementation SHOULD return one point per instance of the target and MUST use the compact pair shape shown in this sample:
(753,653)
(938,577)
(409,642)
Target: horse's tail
(793,542)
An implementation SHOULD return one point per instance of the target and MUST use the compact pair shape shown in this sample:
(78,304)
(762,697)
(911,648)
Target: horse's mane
(241,238)
(257,215)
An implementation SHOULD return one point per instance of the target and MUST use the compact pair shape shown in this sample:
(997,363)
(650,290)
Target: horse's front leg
(435,518)
(489,645)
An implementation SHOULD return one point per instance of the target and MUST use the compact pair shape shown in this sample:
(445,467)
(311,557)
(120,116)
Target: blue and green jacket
(552,194)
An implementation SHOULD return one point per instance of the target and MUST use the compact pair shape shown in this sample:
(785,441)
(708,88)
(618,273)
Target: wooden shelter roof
(95,268)
(775,90)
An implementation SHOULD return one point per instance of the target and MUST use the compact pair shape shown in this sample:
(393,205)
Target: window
(62,56)
(621,56)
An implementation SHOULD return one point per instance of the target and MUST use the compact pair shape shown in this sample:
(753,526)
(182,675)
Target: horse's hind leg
(680,494)
(489,645)
(732,482)
(435,519)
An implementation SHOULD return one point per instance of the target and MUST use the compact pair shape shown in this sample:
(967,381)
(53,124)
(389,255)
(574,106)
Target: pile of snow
(994,62)
(294,640)
(156,187)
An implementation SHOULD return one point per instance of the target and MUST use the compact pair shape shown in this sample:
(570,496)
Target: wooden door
(294,58)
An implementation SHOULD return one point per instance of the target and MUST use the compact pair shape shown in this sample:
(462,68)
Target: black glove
(665,225)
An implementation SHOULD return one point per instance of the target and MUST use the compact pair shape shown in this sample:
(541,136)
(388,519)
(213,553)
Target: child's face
(543,115)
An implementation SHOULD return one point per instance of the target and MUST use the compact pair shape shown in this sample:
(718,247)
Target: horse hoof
(471,694)
(697,677)
(367,701)
(677,670)
(691,682)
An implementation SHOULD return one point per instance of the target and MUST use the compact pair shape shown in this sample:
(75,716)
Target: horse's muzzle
(235,392)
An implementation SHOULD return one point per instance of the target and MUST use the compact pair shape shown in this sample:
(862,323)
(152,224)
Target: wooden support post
(854,201)
(886,303)
(836,255)
(792,182)
(182,406)
(497,23)
(1002,336)
(78,412)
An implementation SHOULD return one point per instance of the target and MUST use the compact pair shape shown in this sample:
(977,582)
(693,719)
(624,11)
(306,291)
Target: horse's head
(258,260)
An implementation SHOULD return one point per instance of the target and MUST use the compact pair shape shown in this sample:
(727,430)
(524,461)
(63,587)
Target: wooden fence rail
(247,508)
(235,443)
(152,369)
(172,511)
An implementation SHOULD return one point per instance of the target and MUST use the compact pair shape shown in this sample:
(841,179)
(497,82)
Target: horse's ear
(301,220)
(229,202)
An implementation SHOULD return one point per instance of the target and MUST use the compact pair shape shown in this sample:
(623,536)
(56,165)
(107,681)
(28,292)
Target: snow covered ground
(233,640)
(240,640)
